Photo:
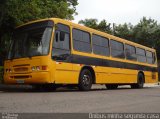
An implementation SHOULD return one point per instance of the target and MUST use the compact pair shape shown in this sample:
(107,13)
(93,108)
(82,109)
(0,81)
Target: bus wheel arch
(92,72)
(86,78)
(140,80)
(141,73)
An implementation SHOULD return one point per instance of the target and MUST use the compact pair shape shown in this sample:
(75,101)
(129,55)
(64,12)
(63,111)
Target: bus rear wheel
(85,80)
(111,86)
(140,82)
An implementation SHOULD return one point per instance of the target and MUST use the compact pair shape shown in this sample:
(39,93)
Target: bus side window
(150,57)
(130,52)
(117,49)
(61,43)
(141,55)
(81,41)
(153,58)
(100,45)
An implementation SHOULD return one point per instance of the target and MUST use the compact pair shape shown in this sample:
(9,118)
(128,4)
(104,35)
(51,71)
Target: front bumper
(28,78)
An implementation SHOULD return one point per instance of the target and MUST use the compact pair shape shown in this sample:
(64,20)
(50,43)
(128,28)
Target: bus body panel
(21,70)
(151,77)
(65,74)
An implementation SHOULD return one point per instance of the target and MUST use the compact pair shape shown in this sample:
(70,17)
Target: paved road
(99,99)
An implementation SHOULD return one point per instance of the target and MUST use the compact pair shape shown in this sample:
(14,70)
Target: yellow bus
(53,52)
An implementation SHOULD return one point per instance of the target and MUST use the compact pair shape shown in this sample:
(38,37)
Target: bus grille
(21,69)
(22,77)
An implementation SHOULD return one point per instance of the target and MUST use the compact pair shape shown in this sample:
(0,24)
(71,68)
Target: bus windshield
(32,42)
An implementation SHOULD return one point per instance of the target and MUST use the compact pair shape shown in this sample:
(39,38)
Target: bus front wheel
(85,80)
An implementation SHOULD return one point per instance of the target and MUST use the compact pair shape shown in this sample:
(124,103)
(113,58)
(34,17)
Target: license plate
(20,81)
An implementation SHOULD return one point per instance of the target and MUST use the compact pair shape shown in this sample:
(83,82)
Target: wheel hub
(86,80)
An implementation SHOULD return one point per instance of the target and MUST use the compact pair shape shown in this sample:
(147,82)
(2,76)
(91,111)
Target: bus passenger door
(61,54)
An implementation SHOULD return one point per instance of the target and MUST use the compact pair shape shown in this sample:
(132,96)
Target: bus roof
(92,31)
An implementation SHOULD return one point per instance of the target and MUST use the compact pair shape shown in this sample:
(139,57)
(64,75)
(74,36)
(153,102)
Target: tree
(146,32)
(16,12)
(93,23)
(124,31)
(104,26)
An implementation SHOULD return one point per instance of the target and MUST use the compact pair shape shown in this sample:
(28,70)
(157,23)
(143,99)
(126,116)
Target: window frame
(126,44)
(53,40)
(69,32)
(117,49)
(153,57)
(108,47)
(141,55)
(90,42)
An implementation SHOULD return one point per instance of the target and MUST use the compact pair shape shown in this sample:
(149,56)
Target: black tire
(111,86)
(140,82)
(85,80)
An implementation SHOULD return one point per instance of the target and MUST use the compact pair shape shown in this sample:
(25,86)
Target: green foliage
(26,10)
(104,26)
(124,31)
(16,12)
(93,23)
(146,32)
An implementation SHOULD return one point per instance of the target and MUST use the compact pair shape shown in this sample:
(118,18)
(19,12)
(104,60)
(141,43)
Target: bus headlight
(35,68)
(8,71)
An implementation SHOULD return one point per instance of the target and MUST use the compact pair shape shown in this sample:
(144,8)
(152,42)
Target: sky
(118,11)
